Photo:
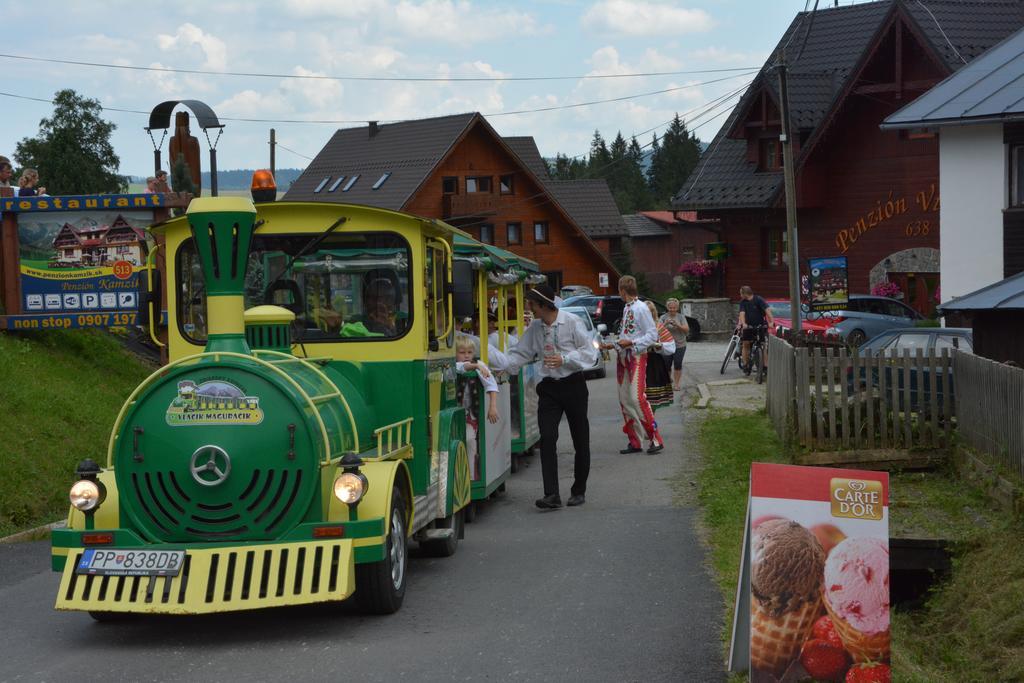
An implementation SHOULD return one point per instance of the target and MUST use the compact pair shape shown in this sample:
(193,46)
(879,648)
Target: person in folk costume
(638,334)
(468,396)
(659,383)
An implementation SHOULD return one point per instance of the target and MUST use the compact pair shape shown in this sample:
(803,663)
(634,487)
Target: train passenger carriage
(305,428)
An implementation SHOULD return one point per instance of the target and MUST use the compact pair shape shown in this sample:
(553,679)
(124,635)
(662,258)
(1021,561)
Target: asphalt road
(615,590)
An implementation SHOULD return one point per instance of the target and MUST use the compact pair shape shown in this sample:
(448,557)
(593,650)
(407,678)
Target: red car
(784,320)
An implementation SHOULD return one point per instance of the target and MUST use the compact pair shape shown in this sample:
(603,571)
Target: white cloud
(719,55)
(459,21)
(320,93)
(338,9)
(189,35)
(644,18)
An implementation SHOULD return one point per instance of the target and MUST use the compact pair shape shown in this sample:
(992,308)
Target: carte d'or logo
(856,498)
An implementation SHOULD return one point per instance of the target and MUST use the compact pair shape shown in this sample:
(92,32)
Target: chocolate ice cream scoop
(786,567)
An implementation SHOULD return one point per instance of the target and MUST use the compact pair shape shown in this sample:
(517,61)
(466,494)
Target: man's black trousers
(555,397)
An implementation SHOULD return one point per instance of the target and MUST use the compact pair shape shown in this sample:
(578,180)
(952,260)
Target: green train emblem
(214,402)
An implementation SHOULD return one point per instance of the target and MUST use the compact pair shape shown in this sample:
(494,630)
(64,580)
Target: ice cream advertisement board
(813,596)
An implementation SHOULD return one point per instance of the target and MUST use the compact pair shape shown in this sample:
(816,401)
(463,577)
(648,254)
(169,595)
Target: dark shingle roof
(837,41)
(990,88)
(526,149)
(591,205)
(638,225)
(409,150)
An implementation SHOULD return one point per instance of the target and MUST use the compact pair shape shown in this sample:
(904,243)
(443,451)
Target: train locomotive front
(244,476)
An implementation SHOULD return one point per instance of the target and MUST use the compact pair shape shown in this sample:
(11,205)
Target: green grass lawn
(60,392)
(730,442)
(972,627)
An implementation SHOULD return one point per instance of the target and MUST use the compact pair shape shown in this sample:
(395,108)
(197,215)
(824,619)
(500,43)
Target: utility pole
(789,177)
(273,146)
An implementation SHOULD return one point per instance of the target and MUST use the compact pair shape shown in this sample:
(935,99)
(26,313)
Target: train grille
(258,512)
(220,580)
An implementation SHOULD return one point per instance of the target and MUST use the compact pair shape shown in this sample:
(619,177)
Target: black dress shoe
(630,449)
(552,502)
(655,449)
(576,499)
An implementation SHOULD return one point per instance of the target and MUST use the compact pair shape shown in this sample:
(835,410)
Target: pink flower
(698,268)
(889,289)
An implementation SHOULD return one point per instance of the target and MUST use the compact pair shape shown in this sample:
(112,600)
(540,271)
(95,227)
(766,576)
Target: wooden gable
(481,153)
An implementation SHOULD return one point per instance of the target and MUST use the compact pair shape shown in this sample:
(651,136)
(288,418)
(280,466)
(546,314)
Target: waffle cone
(776,641)
(862,647)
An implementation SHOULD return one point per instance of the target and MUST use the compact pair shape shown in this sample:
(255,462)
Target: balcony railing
(471,204)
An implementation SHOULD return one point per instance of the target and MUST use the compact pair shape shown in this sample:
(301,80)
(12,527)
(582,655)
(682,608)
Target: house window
(478,184)
(770,158)
(334,185)
(554,279)
(776,254)
(514,233)
(505,182)
(1017,176)
(383,179)
(450,184)
(350,183)
(540,232)
(321,185)
(487,233)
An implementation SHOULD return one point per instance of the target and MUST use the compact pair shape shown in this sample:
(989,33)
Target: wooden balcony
(473,204)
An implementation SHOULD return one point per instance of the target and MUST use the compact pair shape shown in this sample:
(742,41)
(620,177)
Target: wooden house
(868,194)
(458,169)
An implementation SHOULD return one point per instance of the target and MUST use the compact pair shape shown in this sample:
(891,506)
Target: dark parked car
(866,316)
(895,343)
(608,310)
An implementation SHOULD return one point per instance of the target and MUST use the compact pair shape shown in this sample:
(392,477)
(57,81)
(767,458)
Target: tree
(72,152)
(673,162)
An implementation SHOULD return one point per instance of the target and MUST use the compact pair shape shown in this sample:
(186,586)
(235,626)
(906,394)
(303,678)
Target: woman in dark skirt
(659,381)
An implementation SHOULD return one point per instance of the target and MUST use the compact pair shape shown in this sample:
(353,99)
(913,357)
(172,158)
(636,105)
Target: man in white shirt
(639,333)
(560,341)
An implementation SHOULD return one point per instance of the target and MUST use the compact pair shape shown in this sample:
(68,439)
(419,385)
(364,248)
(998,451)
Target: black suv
(607,310)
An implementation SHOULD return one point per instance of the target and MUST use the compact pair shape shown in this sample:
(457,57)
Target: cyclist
(754,314)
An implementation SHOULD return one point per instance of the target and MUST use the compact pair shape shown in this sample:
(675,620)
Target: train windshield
(346,287)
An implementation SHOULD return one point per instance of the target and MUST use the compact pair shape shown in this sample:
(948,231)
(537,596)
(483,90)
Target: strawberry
(872,672)
(823,660)
(825,630)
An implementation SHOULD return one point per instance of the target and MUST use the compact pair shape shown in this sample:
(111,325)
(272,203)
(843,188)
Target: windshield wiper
(310,246)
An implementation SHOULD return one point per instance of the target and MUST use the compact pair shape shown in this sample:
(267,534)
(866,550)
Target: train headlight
(85,495)
(350,487)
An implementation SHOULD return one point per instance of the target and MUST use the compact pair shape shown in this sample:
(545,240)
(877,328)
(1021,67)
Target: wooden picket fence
(829,399)
(990,397)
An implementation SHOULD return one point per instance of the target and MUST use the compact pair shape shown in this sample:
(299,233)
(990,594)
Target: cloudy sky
(383,39)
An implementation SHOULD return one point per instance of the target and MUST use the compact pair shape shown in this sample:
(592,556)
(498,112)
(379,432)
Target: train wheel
(446,547)
(380,586)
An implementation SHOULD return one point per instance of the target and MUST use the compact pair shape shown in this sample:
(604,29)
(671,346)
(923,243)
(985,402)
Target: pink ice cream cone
(856,595)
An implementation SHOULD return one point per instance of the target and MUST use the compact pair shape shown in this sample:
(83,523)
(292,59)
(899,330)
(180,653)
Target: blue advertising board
(81,259)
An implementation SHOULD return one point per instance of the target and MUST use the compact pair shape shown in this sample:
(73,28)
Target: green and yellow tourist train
(305,429)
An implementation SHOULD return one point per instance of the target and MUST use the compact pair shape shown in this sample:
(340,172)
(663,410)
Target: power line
(287,149)
(618,99)
(405,79)
(360,121)
(939,26)
(544,195)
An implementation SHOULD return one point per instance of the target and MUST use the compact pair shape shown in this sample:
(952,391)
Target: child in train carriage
(465,353)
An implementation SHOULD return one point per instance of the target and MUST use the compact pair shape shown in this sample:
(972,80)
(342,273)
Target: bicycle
(756,365)
(732,352)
